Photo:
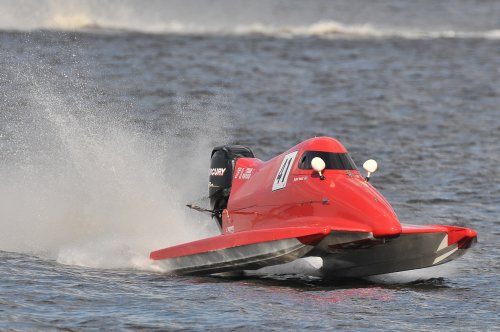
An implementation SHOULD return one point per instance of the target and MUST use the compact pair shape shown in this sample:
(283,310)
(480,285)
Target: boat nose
(370,208)
(388,227)
(381,218)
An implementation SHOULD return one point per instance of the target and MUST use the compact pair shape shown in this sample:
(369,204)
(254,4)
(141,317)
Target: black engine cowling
(222,163)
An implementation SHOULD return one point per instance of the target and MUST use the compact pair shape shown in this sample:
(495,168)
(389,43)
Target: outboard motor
(220,180)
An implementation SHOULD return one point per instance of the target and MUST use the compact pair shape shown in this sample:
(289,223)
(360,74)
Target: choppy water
(108,114)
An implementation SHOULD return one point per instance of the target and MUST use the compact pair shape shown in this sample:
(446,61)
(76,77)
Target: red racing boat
(309,201)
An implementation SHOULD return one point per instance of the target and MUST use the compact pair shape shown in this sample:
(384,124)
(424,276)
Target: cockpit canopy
(333,160)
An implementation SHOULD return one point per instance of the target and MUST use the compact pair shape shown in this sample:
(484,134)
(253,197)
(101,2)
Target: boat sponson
(225,241)
(417,247)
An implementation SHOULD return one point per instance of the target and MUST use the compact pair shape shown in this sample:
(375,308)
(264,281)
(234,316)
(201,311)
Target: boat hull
(240,251)
(246,257)
(344,254)
(409,251)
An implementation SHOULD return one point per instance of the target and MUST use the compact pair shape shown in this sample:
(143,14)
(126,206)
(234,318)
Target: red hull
(281,210)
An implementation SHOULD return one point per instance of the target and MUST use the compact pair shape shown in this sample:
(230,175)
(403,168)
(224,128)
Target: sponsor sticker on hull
(243,173)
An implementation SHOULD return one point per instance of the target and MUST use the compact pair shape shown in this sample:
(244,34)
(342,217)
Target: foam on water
(273,18)
(311,266)
(404,277)
(332,29)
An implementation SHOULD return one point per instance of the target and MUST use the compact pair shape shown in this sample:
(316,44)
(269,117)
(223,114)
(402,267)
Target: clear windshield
(332,160)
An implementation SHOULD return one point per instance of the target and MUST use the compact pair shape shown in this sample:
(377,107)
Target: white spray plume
(84,186)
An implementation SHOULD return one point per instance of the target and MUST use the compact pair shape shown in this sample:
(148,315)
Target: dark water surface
(106,134)
(39,294)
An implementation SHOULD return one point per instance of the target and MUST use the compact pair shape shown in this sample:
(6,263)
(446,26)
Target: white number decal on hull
(284,171)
